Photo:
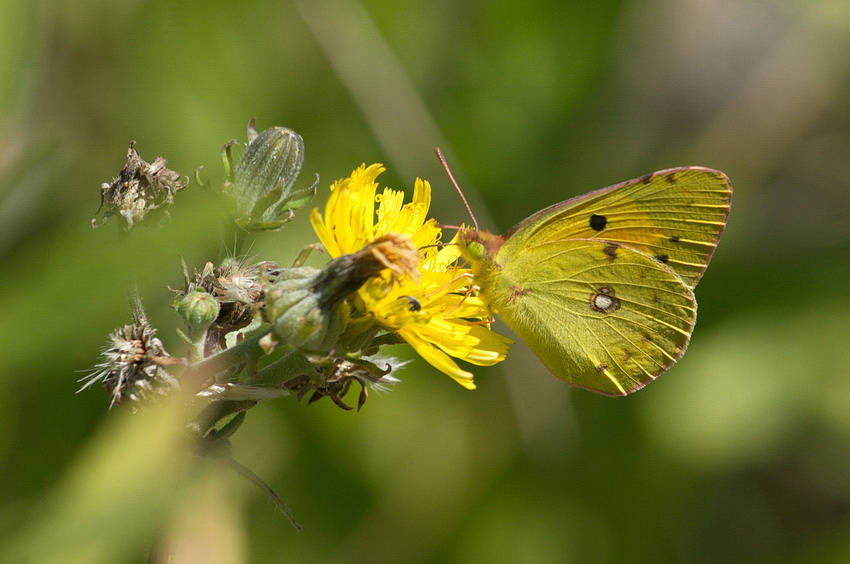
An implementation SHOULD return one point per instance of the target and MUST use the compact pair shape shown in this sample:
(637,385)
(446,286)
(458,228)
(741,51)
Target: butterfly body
(601,286)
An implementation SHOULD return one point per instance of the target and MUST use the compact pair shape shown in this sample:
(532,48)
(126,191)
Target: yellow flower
(435,312)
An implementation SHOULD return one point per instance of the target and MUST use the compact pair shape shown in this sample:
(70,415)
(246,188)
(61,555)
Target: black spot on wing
(662,258)
(598,222)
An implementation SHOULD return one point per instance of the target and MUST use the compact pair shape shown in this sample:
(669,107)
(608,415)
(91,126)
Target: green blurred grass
(741,452)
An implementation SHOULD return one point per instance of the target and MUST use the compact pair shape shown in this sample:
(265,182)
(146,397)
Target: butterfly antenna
(459,191)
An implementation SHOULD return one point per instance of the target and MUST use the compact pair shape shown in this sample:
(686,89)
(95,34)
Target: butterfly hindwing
(600,315)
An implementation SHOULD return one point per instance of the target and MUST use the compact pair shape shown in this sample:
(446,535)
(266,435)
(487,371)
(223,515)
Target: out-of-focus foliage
(741,452)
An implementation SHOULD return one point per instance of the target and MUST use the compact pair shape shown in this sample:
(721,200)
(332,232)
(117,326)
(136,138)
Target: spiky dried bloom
(237,286)
(338,379)
(132,366)
(139,190)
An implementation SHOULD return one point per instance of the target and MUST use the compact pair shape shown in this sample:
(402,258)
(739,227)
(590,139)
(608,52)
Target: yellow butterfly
(601,286)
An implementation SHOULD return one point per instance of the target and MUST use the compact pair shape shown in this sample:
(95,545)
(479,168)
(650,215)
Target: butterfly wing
(600,315)
(675,216)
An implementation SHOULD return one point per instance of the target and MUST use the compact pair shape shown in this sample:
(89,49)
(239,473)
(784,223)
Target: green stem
(196,345)
(249,349)
(215,412)
(282,370)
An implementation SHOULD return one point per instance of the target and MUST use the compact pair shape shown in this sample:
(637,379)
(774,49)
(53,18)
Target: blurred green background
(740,453)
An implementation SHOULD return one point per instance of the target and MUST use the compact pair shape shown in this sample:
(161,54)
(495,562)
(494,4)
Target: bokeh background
(740,453)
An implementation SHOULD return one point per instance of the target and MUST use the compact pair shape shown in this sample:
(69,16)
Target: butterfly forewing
(600,315)
(675,216)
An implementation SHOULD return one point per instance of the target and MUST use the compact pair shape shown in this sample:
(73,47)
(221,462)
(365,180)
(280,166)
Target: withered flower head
(338,380)
(238,288)
(132,365)
(139,190)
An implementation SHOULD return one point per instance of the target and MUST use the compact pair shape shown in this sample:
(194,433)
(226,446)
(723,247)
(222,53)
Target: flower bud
(261,183)
(303,313)
(198,309)
(307,306)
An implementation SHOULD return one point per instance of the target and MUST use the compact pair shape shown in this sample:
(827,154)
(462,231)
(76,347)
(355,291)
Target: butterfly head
(478,246)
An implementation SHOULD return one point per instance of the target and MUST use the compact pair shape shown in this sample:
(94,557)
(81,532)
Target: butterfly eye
(476,250)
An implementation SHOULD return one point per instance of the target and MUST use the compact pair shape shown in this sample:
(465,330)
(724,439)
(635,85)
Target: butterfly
(601,286)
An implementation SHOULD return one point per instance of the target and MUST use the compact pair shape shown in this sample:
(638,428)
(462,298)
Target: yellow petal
(434,308)
(438,359)
(325,236)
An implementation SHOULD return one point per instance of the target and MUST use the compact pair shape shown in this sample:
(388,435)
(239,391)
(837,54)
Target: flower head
(133,363)
(141,189)
(435,310)
(238,288)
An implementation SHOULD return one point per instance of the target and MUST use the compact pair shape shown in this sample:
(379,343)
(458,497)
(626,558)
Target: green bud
(304,312)
(198,309)
(262,182)
(307,306)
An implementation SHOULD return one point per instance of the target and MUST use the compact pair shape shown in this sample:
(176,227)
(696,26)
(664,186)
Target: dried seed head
(336,379)
(238,288)
(139,190)
(132,365)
